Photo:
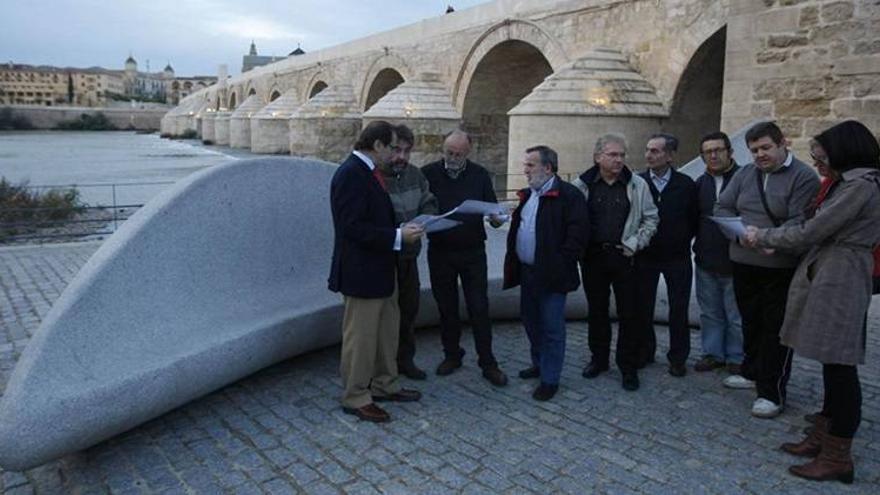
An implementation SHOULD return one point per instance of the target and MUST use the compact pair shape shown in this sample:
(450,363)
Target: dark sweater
(679,213)
(710,246)
(473,183)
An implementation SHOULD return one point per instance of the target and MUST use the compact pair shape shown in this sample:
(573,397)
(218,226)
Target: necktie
(378,175)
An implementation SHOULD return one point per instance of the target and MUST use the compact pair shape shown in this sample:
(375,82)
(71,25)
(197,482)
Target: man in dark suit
(365,249)
(669,253)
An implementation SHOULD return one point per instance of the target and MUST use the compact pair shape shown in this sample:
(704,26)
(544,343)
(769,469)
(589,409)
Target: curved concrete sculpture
(216,278)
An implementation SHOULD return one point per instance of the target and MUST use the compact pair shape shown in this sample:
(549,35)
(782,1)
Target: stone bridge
(516,73)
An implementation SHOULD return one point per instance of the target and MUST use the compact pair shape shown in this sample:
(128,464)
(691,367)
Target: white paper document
(435,223)
(472,206)
(731,227)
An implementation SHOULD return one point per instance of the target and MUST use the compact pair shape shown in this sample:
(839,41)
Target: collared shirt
(526,236)
(788,159)
(398,236)
(609,207)
(660,181)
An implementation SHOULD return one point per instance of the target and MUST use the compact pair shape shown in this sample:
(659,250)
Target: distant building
(22,84)
(252,60)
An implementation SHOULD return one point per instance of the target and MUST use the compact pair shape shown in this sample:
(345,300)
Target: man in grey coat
(773,191)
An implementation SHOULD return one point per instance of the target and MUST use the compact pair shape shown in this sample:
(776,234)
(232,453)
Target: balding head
(456,148)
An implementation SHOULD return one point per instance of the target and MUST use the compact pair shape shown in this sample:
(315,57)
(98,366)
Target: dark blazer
(363,221)
(562,229)
(679,215)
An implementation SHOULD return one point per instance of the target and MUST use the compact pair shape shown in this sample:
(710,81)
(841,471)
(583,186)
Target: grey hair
(611,137)
(458,132)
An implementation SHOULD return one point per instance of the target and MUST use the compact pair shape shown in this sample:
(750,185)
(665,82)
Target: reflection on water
(101,158)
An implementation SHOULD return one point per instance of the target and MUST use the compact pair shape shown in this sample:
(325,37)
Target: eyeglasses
(614,154)
(714,151)
(819,158)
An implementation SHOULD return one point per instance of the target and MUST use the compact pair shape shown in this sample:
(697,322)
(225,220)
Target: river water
(141,165)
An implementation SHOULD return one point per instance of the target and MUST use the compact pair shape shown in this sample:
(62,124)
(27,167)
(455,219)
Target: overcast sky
(193,35)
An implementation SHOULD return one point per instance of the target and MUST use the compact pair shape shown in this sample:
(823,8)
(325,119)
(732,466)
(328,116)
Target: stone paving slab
(281,430)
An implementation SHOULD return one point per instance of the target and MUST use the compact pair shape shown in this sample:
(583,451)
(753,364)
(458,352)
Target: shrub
(87,122)
(20,205)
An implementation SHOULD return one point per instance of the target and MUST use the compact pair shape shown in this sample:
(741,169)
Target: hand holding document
(434,223)
(472,206)
(732,227)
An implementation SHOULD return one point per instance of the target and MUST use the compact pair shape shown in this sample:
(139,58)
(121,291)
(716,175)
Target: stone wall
(806,63)
(123,118)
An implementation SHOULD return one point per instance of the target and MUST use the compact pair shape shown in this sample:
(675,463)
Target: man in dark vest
(720,322)
(669,253)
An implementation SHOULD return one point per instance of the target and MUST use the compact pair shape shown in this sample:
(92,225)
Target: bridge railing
(108,207)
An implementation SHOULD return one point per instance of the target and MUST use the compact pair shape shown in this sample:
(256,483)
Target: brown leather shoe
(402,395)
(708,363)
(833,463)
(495,376)
(812,444)
(371,412)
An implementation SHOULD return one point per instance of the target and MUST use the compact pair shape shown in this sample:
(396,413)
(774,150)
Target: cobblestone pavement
(282,431)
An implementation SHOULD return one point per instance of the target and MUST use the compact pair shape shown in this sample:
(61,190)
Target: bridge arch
(233,100)
(384,74)
(695,108)
(505,31)
(316,88)
(274,94)
(501,69)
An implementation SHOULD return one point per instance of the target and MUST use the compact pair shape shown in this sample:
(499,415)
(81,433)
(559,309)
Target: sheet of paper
(435,223)
(472,206)
(731,227)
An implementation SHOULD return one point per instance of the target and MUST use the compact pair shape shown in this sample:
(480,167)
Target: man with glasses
(460,253)
(775,190)
(720,323)
(411,197)
(623,218)
(669,253)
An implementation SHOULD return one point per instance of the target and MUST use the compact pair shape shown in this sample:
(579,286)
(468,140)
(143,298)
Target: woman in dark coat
(830,293)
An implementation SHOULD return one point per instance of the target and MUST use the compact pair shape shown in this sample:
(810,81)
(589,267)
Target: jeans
(470,266)
(720,322)
(543,316)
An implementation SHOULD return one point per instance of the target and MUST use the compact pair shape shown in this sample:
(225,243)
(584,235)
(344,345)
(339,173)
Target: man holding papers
(460,253)
(366,242)
(773,191)
(410,196)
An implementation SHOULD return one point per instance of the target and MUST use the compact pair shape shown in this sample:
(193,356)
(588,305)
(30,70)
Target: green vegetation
(189,134)
(10,121)
(86,122)
(23,210)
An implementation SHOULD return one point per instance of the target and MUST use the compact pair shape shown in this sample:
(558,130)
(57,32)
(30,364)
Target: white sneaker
(763,408)
(738,381)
